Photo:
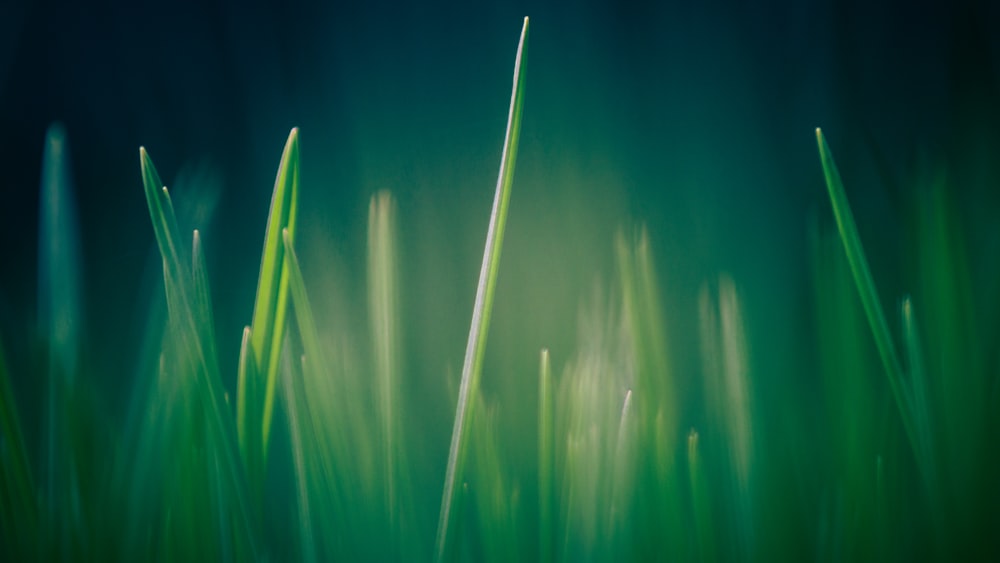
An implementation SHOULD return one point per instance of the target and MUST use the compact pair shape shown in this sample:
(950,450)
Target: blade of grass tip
(268,326)
(476,345)
(546,445)
(18,510)
(382,312)
(865,284)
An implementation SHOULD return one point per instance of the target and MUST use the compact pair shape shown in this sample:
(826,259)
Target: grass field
(882,445)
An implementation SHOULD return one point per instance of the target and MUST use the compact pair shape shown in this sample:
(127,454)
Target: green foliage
(638,458)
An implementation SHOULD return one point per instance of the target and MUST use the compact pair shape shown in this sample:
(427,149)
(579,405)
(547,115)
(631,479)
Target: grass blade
(546,445)
(865,284)
(382,311)
(476,346)
(268,326)
(701,505)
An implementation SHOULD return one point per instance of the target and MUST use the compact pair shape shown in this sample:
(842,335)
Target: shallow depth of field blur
(679,363)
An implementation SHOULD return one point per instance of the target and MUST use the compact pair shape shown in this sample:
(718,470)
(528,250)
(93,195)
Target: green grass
(882,446)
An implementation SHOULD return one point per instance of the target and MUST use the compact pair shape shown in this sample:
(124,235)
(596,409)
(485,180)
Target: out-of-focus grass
(638,458)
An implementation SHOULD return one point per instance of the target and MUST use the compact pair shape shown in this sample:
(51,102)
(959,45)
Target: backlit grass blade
(268,326)
(476,346)
(546,445)
(383,312)
(865,284)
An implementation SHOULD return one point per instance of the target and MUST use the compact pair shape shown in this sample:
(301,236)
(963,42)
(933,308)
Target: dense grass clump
(893,458)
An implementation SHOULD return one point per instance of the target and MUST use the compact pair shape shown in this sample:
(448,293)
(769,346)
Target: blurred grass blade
(295,430)
(476,345)
(268,326)
(203,302)
(58,257)
(546,445)
(58,309)
(300,300)
(917,394)
(383,312)
(701,506)
(865,284)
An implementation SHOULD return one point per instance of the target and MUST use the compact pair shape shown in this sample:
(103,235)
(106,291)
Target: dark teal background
(694,118)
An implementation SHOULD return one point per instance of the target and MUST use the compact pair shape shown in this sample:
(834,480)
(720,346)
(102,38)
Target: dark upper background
(695,118)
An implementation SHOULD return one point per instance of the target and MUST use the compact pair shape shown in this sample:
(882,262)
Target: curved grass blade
(476,346)
(866,286)
(268,326)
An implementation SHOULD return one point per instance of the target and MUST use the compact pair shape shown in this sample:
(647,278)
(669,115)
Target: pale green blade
(268,326)
(865,284)
(476,346)
(383,312)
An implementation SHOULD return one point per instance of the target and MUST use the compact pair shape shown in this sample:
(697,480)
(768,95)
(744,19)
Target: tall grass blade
(865,284)
(546,445)
(59,318)
(476,346)
(268,326)
(383,312)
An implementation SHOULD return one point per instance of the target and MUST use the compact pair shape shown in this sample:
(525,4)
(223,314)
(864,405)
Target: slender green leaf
(383,312)
(476,346)
(865,284)
(268,326)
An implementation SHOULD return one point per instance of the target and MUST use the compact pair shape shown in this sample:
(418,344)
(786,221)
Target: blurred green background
(693,118)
